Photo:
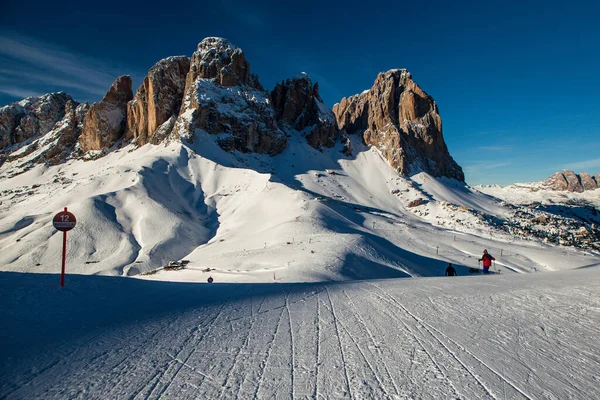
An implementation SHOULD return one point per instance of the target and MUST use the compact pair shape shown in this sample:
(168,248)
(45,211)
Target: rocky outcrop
(298,105)
(106,121)
(56,145)
(67,133)
(587,181)
(571,182)
(31,117)
(222,98)
(157,100)
(403,122)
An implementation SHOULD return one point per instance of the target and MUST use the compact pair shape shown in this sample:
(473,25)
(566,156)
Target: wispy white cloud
(16,91)
(582,165)
(484,166)
(495,148)
(29,65)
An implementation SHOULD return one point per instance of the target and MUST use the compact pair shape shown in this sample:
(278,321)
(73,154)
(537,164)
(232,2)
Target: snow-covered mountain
(303,215)
(256,185)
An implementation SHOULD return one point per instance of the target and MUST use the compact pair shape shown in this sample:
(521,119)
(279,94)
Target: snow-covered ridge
(304,215)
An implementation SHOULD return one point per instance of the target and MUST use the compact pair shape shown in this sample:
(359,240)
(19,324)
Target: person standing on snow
(487,261)
(450,271)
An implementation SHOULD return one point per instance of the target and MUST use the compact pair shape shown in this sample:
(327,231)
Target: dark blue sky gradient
(516,82)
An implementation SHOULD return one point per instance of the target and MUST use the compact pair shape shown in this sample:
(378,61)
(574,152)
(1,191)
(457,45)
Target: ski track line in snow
(206,324)
(184,364)
(370,334)
(175,358)
(155,378)
(429,328)
(435,363)
(269,350)
(229,374)
(292,344)
(375,374)
(82,348)
(318,347)
(337,332)
(470,372)
(212,324)
(275,308)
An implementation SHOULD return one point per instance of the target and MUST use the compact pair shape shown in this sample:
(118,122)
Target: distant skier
(450,271)
(487,261)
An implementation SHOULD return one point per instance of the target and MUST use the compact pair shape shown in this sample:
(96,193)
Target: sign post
(64,221)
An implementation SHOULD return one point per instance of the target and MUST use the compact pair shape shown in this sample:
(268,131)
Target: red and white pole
(64,258)
(64,221)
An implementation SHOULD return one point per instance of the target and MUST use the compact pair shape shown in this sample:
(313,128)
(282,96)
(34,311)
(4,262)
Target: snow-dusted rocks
(51,148)
(106,121)
(298,105)
(222,97)
(29,118)
(403,122)
(216,58)
(157,100)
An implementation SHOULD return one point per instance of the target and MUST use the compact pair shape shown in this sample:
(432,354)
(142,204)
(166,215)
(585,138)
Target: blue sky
(517,82)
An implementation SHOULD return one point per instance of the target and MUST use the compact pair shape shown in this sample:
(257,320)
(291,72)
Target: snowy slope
(511,336)
(304,215)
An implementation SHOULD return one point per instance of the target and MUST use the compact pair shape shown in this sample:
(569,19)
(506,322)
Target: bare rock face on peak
(157,100)
(106,121)
(221,97)
(56,145)
(571,182)
(403,122)
(588,182)
(298,105)
(31,117)
(216,58)
(21,123)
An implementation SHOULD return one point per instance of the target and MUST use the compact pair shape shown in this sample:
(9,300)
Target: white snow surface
(302,216)
(509,336)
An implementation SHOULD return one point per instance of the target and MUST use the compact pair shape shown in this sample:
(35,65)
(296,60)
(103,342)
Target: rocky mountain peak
(216,58)
(298,105)
(569,181)
(403,122)
(221,97)
(105,122)
(31,117)
(152,113)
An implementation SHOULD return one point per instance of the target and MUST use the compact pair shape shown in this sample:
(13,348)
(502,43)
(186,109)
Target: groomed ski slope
(514,336)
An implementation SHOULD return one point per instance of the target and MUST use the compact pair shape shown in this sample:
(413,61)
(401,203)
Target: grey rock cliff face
(106,121)
(298,105)
(157,100)
(222,97)
(403,122)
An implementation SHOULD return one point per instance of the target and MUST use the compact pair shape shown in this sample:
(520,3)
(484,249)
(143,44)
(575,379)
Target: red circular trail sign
(64,221)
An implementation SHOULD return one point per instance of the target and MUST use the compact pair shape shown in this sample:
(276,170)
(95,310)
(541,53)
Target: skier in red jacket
(487,261)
